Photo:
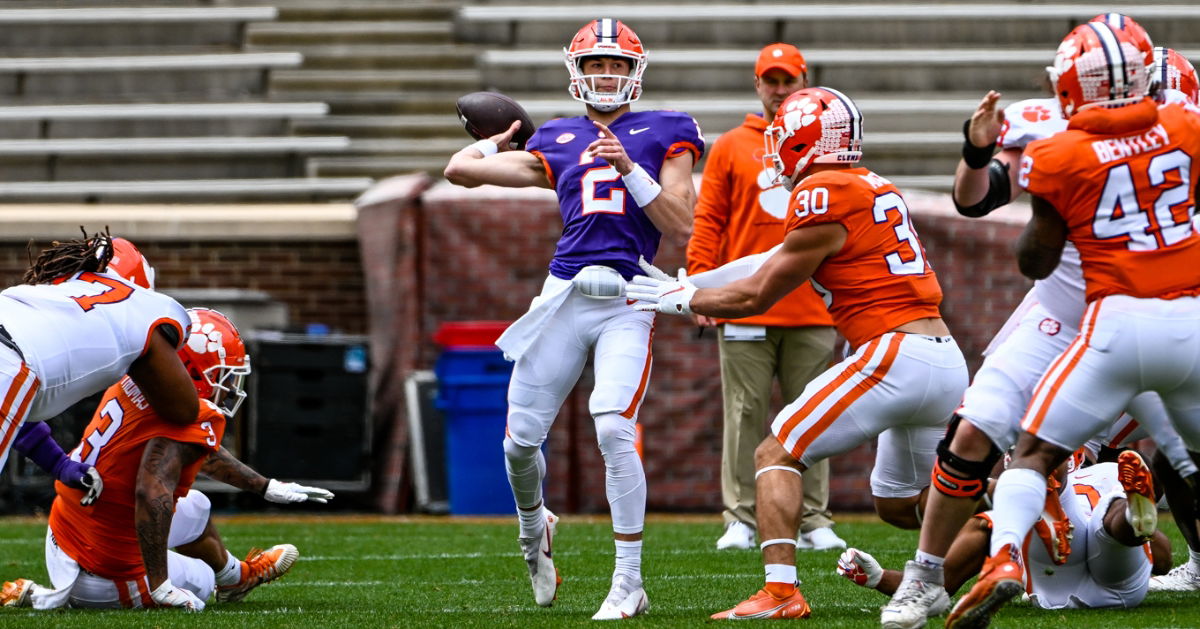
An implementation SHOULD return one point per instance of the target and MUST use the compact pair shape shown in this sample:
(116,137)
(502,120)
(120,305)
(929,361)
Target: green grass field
(364,572)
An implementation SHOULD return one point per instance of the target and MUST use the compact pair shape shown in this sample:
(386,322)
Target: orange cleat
(259,567)
(1001,579)
(1141,510)
(764,605)
(16,593)
(1054,527)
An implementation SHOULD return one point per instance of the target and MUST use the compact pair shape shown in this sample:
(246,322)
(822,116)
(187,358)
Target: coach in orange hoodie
(738,213)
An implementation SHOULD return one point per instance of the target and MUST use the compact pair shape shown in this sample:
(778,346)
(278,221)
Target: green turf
(447,573)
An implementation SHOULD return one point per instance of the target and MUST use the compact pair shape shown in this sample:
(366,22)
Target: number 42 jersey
(602,224)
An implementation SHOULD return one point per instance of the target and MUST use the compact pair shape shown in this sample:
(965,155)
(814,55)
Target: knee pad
(615,433)
(514,451)
(194,505)
(524,429)
(957,477)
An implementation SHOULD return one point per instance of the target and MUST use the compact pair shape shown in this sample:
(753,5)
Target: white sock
(232,572)
(932,561)
(1019,498)
(526,467)
(1194,560)
(781,573)
(532,521)
(629,559)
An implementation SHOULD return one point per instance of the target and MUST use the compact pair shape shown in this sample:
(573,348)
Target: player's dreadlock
(64,258)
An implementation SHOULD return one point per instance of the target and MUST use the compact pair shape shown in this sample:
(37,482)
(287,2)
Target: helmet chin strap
(604,108)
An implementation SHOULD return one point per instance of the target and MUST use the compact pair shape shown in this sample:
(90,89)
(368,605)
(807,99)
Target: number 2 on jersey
(614,203)
(1120,215)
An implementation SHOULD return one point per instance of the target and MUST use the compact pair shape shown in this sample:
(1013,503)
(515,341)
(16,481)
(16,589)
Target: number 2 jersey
(602,224)
(80,335)
(102,537)
(880,279)
(1124,181)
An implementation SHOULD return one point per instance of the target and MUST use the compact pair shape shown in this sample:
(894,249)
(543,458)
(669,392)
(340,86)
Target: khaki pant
(794,356)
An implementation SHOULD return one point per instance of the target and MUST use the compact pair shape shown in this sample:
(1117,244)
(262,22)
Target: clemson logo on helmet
(204,338)
(1064,58)
(800,114)
(1036,113)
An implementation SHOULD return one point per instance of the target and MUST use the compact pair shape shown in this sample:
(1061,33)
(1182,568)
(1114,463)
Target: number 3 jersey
(880,279)
(102,537)
(80,335)
(602,224)
(1124,180)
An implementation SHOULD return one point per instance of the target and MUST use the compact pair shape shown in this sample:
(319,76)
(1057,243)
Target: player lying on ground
(115,552)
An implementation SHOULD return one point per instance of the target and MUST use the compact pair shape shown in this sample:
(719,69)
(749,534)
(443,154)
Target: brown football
(485,114)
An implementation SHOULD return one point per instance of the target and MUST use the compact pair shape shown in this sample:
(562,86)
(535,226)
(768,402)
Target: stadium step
(348,32)
(381,56)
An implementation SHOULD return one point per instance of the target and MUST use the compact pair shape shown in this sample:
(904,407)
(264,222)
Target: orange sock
(780,590)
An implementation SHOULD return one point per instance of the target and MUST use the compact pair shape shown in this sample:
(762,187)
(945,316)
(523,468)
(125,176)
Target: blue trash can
(472,394)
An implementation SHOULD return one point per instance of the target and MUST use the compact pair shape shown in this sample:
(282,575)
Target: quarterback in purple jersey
(624,181)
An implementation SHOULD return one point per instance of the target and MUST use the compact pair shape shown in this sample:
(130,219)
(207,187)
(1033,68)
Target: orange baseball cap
(786,57)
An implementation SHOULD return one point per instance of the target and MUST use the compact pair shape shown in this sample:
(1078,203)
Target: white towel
(521,335)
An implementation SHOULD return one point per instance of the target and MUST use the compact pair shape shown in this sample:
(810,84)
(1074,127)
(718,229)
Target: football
(485,114)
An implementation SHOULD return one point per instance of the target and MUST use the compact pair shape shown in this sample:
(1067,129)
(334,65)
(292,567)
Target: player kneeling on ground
(114,553)
(848,231)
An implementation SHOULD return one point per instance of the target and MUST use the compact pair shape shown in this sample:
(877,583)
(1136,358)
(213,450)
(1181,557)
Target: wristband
(487,147)
(974,156)
(641,185)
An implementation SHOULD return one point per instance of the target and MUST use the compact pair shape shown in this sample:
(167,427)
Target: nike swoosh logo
(766,613)
(637,131)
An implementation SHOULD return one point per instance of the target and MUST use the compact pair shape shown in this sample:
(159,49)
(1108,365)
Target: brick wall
(483,253)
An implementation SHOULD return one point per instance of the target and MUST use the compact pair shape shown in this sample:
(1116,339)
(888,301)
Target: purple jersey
(602,224)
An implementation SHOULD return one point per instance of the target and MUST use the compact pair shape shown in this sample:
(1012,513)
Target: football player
(115,552)
(624,181)
(1112,573)
(71,329)
(850,234)
(1039,329)
(1129,213)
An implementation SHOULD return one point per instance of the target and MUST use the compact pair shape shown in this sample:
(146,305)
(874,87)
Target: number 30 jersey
(1124,180)
(102,537)
(80,335)
(602,224)
(880,279)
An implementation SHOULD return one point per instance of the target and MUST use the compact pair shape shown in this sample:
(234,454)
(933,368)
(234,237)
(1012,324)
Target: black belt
(6,339)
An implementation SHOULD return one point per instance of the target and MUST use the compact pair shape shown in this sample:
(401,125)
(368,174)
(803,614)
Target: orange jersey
(740,213)
(1124,181)
(880,279)
(102,537)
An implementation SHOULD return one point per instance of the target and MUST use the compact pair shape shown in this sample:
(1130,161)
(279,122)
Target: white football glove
(94,485)
(291,492)
(859,567)
(167,595)
(658,291)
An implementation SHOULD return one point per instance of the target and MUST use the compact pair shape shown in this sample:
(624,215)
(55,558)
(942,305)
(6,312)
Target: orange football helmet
(605,37)
(814,125)
(130,264)
(1173,71)
(1133,32)
(1098,66)
(216,359)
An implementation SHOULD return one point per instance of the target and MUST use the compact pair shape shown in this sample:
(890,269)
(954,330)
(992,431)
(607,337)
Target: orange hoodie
(740,213)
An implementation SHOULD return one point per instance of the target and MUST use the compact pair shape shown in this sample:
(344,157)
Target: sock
(1019,498)
(781,580)
(532,520)
(1194,560)
(629,559)
(928,560)
(232,572)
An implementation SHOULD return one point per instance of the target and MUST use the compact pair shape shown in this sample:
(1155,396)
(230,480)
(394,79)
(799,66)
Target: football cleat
(824,539)
(1001,579)
(16,593)
(919,597)
(764,605)
(258,568)
(1184,578)
(737,535)
(625,599)
(860,568)
(1141,511)
(1054,528)
(539,555)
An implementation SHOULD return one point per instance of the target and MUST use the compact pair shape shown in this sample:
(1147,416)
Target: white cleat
(625,599)
(824,539)
(920,596)
(738,535)
(539,555)
(860,568)
(1184,578)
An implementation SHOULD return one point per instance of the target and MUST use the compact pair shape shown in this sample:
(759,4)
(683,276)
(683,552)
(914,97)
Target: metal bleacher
(152,103)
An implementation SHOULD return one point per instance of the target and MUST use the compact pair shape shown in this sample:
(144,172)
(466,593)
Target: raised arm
(483,163)
(983,182)
(161,377)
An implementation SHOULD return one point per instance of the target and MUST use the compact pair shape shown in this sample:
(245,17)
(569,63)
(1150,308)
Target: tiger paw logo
(1036,113)
(203,337)
(799,114)
(1049,327)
